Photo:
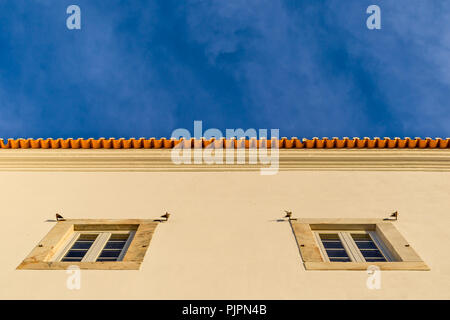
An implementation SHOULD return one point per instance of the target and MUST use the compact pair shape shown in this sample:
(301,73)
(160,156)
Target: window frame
(350,246)
(97,247)
(61,237)
(384,234)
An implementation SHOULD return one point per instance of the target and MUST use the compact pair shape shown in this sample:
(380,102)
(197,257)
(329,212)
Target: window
(353,244)
(332,247)
(96,246)
(93,244)
(368,248)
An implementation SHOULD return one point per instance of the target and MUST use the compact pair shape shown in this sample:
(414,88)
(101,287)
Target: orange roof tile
(284,143)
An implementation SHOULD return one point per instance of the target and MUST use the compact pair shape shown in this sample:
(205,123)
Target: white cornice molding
(147,160)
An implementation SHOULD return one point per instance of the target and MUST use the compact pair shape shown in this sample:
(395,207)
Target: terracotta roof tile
(284,143)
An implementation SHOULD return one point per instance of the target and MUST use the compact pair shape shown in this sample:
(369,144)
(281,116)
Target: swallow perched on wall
(288,214)
(393,216)
(59,217)
(166,216)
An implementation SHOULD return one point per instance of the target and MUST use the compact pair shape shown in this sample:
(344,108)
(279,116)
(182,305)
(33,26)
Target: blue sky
(145,68)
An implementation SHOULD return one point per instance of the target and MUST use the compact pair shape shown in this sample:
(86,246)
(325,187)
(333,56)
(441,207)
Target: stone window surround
(405,256)
(41,256)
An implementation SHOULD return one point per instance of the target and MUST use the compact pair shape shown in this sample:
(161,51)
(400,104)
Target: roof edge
(283,143)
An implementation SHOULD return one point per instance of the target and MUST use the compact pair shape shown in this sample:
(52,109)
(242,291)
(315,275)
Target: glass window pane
(71,259)
(366,245)
(337,253)
(75,253)
(119,236)
(110,253)
(368,248)
(115,244)
(113,247)
(80,247)
(372,253)
(329,244)
(340,259)
(334,248)
(87,236)
(329,236)
(375,259)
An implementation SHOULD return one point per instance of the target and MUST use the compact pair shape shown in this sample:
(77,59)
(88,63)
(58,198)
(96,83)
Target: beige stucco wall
(223,240)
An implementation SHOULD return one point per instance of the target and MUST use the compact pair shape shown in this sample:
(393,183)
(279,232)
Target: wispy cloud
(145,68)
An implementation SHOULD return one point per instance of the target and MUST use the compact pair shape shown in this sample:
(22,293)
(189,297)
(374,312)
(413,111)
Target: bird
(166,216)
(59,217)
(393,216)
(288,214)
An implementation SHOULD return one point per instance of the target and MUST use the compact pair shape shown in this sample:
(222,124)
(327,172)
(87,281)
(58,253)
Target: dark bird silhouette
(393,216)
(59,217)
(166,216)
(288,214)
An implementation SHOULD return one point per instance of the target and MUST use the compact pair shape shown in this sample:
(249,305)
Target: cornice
(159,160)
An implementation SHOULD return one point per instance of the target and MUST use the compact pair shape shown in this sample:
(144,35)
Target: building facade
(233,233)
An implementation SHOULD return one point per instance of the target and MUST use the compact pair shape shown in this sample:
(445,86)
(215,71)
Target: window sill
(116,265)
(397,265)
